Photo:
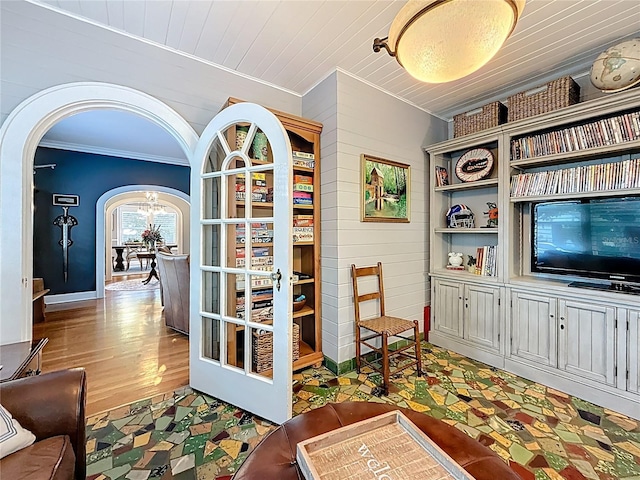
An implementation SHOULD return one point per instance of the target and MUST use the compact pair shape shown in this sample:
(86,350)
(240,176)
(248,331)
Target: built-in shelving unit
(578,340)
(304,136)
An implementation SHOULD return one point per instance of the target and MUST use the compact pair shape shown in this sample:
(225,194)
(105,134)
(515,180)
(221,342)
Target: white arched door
(241,251)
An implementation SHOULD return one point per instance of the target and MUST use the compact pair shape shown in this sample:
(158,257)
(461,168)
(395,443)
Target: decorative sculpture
(493,215)
(455,259)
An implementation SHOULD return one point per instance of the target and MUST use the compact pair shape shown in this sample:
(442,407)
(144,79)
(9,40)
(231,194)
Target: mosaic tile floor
(540,432)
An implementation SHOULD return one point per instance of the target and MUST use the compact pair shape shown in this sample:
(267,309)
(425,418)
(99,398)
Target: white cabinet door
(534,334)
(586,340)
(633,356)
(447,312)
(482,315)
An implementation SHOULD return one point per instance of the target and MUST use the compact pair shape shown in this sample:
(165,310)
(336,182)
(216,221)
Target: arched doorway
(112,199)
(19,138)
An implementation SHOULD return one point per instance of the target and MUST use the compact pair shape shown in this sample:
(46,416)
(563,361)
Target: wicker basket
(488,116)
(263,349)
(556,94)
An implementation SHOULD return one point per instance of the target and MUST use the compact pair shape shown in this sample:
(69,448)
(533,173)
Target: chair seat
(387,324)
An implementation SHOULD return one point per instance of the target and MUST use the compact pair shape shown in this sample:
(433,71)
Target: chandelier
(438,41)
(151,206)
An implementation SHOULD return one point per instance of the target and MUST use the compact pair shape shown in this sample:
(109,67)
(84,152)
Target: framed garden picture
(384,190)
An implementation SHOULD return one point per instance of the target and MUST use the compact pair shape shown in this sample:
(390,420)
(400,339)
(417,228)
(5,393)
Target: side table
(151,256)
(21,359)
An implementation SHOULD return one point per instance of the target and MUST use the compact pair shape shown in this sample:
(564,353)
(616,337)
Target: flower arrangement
(151,235)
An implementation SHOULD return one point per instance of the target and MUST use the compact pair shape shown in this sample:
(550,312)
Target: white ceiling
(295,44)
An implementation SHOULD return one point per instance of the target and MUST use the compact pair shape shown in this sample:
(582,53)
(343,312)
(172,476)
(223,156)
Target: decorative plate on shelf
(475,164)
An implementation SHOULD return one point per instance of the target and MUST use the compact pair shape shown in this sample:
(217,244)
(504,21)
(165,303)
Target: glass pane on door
(237,234)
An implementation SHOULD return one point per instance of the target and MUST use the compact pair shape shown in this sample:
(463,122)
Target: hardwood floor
(123,344)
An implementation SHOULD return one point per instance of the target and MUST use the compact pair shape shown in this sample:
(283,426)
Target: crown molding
(110,152)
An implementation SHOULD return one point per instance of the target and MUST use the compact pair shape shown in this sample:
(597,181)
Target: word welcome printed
(373,464)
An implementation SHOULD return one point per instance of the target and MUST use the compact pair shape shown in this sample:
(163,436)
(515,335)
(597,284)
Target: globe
(618,67)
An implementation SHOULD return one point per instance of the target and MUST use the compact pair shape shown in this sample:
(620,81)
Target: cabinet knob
(561,318)
(551,316)
(561,327)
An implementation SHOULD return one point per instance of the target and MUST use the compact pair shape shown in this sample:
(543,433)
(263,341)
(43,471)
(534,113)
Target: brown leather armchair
(52,406)
(174,283)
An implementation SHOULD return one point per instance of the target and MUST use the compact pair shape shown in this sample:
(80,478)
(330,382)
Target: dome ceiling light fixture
(438,41)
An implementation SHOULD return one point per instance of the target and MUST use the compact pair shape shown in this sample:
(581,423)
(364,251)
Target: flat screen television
(594,238)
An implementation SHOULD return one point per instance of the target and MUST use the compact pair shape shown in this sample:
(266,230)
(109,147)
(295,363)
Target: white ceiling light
(439,41)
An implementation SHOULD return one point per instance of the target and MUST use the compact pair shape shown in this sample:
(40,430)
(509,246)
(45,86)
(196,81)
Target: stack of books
(256,282)
(261,305)
(303,159)
(302,190)
(303,220)
(302,228)
(302,198)
(486,259)
(302,183)
(260,233)
(259,188)
(260,256)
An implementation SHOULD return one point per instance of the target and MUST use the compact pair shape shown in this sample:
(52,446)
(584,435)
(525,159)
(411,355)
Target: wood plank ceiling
(295,44)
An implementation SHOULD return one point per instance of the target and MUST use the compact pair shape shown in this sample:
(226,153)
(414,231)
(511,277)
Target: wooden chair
(131,251)
(383,327)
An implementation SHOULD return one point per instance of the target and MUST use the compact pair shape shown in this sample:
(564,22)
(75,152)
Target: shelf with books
(583,179)
(606,133)
(560,158)
(466,177)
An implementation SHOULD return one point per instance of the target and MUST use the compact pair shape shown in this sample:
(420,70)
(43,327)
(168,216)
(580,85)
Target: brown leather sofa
(174,282)
(52,406)
(275,457)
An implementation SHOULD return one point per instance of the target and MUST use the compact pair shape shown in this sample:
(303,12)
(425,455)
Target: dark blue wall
(88,176)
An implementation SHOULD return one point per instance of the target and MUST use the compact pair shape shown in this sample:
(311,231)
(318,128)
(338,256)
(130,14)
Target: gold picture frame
(385,190)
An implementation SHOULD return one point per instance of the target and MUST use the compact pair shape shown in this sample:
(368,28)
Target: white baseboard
(70,297)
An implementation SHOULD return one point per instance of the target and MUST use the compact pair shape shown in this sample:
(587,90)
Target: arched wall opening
(128,194)
(20,135)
